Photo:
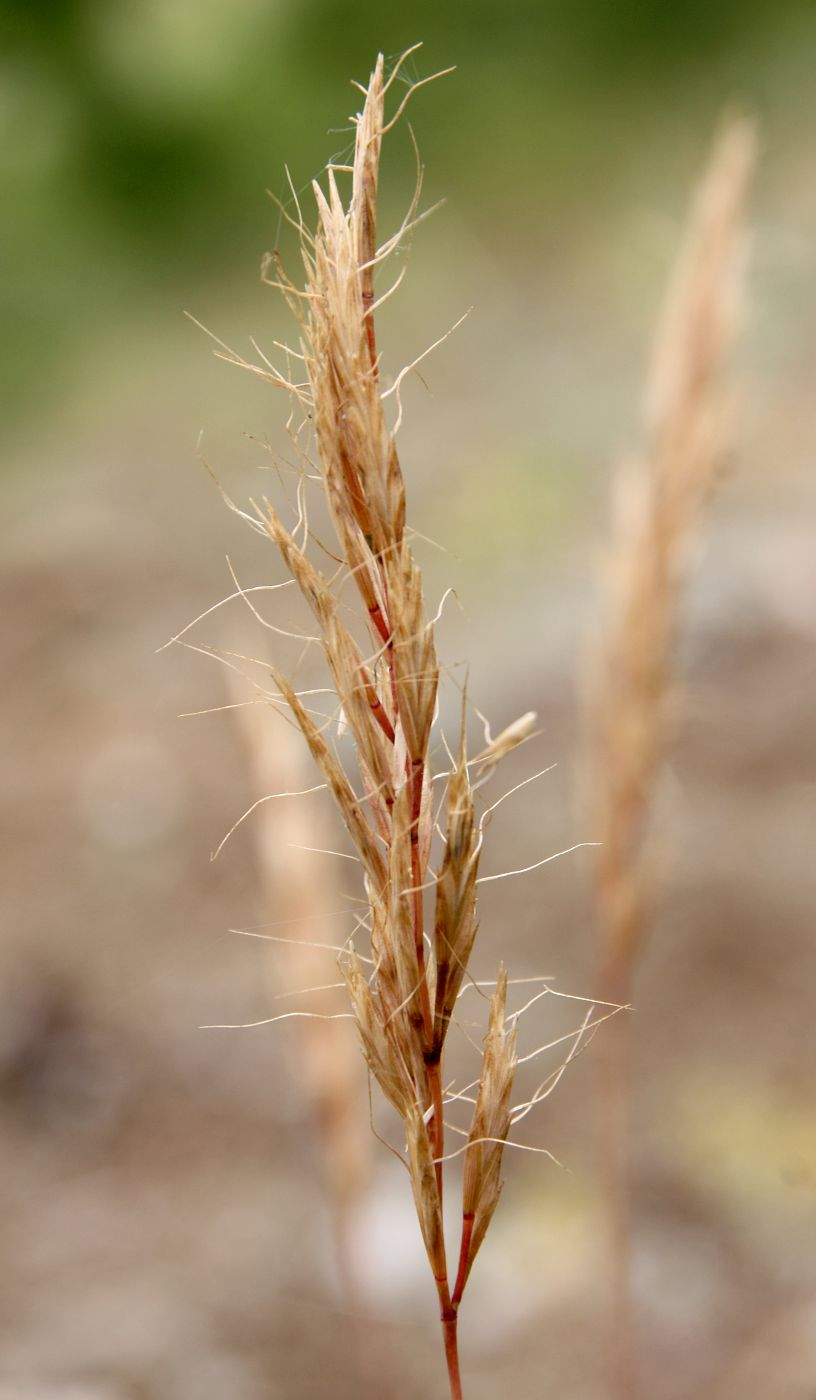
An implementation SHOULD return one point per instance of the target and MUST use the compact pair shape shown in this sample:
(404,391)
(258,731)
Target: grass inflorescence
(381,657)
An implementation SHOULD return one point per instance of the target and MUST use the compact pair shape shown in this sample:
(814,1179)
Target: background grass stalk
(294,884)
(660,499)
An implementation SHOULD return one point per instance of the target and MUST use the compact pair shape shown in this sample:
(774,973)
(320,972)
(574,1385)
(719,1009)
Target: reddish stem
(377,708)
(437,1125)
(450,1334)
(376,614)
(449,1316)
(368,306)
(414,772)
(464,1256)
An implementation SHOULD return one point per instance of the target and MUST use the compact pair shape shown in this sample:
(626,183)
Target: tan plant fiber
(294,884)
(660,497)
(404,995)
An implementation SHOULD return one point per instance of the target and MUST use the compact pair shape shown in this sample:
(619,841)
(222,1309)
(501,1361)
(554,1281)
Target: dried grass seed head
(491,1121)
(455,924)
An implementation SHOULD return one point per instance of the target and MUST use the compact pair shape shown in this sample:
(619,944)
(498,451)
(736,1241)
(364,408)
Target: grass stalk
(660,500)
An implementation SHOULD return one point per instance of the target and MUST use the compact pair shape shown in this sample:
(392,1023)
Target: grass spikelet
(488,1133)
(455,923)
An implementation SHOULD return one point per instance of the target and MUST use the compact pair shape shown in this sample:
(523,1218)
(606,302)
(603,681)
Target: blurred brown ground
(162,1214)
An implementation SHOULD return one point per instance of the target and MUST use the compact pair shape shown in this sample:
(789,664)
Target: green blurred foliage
(139,136)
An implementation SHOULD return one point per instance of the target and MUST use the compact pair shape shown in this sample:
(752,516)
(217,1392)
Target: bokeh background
(163,1209)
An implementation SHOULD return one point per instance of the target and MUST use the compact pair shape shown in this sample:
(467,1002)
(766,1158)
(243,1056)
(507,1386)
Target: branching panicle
(387,692)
